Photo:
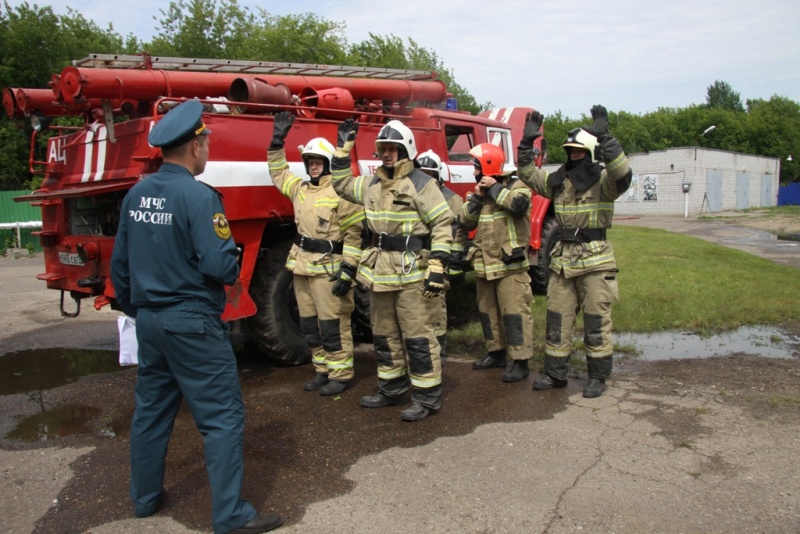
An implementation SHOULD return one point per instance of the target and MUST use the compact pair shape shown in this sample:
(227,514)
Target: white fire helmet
(580,138)
(399,134)
(319,147)
(430,161)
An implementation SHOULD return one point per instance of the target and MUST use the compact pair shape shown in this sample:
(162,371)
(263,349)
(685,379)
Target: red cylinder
(333,103)
(257,91)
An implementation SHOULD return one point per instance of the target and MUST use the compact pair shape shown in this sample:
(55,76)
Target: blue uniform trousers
(186,354)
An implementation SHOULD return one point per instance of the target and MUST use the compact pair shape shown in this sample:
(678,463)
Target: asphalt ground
(676,446)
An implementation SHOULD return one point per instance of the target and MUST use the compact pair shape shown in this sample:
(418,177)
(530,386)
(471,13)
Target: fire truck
(116,99)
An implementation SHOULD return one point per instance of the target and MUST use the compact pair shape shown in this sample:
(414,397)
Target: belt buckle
(300,244)
(380,240)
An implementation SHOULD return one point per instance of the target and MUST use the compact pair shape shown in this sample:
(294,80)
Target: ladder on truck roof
(146,61)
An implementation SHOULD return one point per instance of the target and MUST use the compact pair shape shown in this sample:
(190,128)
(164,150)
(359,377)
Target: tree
(721,95)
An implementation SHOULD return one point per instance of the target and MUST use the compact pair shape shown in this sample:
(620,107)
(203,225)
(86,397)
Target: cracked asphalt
(675,446)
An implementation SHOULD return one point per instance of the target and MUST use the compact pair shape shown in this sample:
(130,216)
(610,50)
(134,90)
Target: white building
(717,180)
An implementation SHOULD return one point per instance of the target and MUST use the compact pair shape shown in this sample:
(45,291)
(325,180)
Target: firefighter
(409,220)
(323,259)
(172,258)
(583,269)
(431,164)
(500,209)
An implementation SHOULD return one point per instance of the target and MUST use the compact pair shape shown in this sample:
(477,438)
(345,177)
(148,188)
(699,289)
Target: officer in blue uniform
(172,257)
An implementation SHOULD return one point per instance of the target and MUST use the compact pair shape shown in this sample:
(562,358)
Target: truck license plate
(70,259)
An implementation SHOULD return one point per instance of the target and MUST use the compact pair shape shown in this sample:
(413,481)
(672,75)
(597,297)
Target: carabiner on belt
(407,268)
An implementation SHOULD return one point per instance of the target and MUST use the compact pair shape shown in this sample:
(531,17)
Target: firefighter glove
(348,129)
(280,129)
(599,127)
(343,279)
(609,149)
(434,278)
(532,129)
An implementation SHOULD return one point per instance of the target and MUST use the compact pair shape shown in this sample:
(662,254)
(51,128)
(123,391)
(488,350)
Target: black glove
(532,130)
(599,127)
(280,129)
(343,279)
(347,132)
(456,267)
(608,149)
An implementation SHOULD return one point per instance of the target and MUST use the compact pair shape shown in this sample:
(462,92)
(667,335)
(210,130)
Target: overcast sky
(630,55)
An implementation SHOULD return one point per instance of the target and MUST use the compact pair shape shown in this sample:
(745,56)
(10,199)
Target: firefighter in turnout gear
(431,164)
(411,233)
(500,209)
(584,271)
(323,259)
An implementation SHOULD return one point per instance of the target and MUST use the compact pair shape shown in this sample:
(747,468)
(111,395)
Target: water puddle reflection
(766,341)
(41,369)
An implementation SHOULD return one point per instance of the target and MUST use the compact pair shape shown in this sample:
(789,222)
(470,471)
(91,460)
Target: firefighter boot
(319,380)
(379,400)
(415,412)
(496,358)
(334,387)
(599,371)
(442,347)
(517,372)
(555,374)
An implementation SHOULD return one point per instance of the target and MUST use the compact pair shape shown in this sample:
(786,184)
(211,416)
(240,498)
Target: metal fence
(789,195)
(17,221)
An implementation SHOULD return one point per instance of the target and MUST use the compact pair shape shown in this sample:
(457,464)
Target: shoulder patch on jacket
(419,179)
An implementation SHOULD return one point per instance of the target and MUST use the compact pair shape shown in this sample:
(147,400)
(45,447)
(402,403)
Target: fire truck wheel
(540,272)
(362,331)
(275,327)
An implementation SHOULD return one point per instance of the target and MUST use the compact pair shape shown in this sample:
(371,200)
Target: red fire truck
(88,168)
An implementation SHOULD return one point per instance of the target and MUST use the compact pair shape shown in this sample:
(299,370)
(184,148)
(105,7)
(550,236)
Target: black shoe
(517,372)
(334,387)
(548,382)
(594,388)
(156,507)
(379,400)
(319,380)
(415,412)
(260,523)
(493,359)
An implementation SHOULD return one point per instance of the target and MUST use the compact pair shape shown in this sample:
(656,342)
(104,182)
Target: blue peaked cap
(180,125)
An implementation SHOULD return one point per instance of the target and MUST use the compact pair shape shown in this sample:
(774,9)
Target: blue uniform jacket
(173,244)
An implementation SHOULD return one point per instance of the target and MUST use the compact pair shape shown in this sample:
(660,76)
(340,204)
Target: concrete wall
(715,177)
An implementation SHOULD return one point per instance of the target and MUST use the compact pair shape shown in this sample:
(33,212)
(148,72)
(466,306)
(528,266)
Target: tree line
(37,42)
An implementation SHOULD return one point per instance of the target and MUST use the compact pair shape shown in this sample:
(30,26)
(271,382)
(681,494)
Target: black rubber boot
(517,372)
(548,382)
(496,358)
(319,380)
(599,371)
(334,387)
(379,400)
(594,388)
(415,412)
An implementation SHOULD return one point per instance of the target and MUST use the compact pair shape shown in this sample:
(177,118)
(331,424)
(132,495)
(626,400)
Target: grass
(667,281)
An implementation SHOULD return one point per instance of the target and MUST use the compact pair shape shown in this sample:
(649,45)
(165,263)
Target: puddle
(62,421)
(766,341)
(41,369)
(789,237)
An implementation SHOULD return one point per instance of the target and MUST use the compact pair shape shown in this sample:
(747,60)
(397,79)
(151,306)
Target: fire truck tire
(275,328)
(362,331)
(540,273)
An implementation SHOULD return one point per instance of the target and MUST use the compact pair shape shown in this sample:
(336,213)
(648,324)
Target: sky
(553,55)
